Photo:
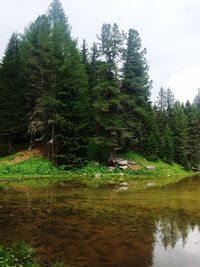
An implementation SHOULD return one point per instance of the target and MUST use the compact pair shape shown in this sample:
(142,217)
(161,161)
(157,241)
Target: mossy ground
(38,171)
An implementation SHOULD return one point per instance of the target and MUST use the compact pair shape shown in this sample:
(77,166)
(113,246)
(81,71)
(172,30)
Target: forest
(86,103)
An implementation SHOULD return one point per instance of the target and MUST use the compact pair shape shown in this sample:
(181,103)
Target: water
(84,227)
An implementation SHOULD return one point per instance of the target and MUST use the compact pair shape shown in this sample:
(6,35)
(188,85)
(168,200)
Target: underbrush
(33,166)
(20,254)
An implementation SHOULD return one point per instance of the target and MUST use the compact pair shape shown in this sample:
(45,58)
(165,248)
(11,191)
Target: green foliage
(13,121)
(33,166)
(97,152)
(136,92)
(19,255)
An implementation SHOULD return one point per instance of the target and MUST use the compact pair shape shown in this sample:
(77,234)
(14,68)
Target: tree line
(86,104)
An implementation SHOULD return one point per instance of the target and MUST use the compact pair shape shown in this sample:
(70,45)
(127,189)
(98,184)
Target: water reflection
(104,228)
(185,252)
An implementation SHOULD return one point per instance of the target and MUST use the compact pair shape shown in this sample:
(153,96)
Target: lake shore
(19,170)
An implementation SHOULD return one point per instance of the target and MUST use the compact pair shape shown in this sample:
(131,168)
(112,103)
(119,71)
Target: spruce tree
(180,132)
(12,109)
(57,87)
(70,89)
(37,64)
(136,92)
(105,95)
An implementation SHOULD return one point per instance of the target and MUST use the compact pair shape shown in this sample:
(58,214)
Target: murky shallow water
(84,227)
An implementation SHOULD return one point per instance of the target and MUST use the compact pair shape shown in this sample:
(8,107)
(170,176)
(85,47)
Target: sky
(169,29)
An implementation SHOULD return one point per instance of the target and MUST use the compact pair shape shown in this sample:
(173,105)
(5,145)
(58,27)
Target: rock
(98,175)
(151,168)
(122,188)
(151,184)
(123,167)
(111,169)
(131,162)
(121,162)
(123,184)
(121,174)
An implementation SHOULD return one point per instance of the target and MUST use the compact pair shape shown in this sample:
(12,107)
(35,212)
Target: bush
(19,255)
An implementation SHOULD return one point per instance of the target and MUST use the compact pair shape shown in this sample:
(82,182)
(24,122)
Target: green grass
(7,158)
(33,166)
(162,168)
(40,172)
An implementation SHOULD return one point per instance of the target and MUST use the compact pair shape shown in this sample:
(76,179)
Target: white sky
(170,30)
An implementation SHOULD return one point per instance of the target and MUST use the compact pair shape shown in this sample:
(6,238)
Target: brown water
(84,227)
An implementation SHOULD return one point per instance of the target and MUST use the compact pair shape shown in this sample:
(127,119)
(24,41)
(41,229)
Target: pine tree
(165,120)
(161,100)
(12,109)
(167,148)
(196,102)
(57,87)
(95,67)
(85,53)
(152,138)
(105,95)
(180,132)
(37,64)
(136,92)
(193,124)
(170,100)
(70,87)
(111,41)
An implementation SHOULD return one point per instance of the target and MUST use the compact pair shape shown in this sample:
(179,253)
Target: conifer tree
(105,95)
(180,135)
(136,91)
(161,100)
(193,115)
(57,83)
(12,119)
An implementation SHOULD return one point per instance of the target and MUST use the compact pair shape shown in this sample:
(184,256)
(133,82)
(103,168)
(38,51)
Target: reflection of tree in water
(174,226)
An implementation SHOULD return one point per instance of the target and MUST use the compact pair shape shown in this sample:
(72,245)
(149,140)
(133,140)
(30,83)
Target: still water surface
(84,227)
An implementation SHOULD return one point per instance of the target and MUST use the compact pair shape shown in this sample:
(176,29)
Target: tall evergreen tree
(12,119)
(105,95)
(57,83)
(136,91)
(180,132)
(161,100)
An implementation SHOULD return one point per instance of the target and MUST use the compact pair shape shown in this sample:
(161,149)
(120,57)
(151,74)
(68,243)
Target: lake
(106,227)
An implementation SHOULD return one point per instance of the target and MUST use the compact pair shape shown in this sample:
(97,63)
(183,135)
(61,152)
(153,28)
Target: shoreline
(125,182)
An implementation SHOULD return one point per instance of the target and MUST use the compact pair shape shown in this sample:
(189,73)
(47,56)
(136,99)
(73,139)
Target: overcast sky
(170,30)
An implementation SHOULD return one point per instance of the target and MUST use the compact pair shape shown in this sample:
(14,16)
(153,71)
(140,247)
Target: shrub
(19,255)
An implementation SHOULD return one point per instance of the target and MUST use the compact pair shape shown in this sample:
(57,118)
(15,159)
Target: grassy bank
(38,171)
